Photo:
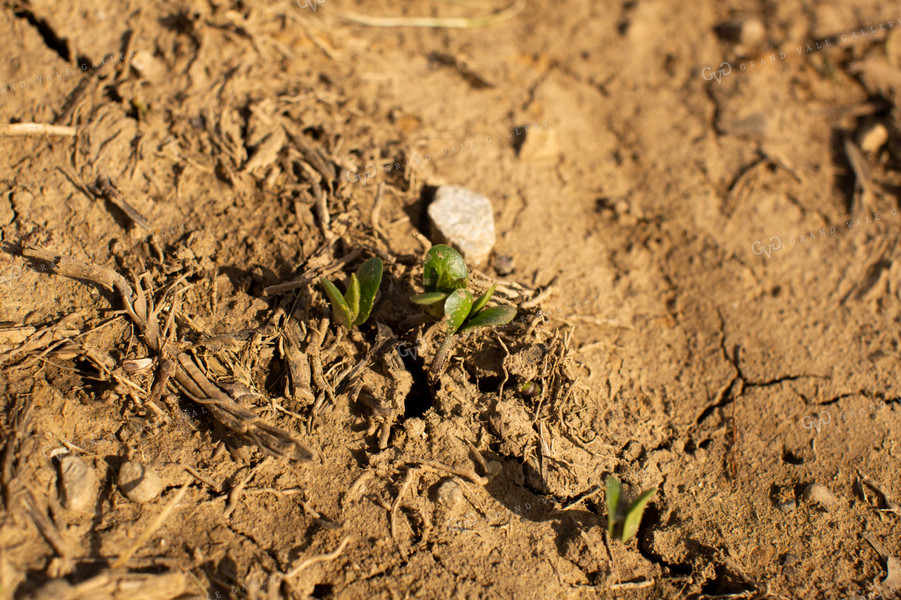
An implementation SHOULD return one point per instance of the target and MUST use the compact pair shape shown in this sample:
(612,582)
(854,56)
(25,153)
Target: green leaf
(339,305)
(443,270)
(490,317)
(456,308)
(613,489)
(370,277)
(352,297)
(483,300)
(428,298)
(633,515)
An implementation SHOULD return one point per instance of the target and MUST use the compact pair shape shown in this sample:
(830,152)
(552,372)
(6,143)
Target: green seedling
(354,306)
(444,278)
(443,272)
(621,518)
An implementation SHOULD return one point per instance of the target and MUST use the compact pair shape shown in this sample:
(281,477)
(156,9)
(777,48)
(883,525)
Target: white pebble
(464,220)
(872,137)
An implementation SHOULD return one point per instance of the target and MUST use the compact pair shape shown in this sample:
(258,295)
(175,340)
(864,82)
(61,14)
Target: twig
(632,585)
(319,558)
(863,192)
(447,22)
(164,373)
(314,348)
(311,275)
(105,189)
(321,206)
(411,473)
(200,477)
(45,526)
(441,356)
(470,475)
(890,505)
(36,129)
(377,209)
(538,299)
(298,364)
(237,491)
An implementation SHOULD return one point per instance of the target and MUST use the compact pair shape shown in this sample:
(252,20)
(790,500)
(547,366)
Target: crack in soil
(729,393)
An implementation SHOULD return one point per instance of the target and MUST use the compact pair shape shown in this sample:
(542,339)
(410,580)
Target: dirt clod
(820,494)
(449,493)
(78,483)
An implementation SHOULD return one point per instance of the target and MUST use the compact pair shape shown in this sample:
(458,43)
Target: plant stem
(441,356)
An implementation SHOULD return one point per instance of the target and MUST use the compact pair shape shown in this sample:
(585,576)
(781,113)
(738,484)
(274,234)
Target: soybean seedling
(443,272)
(621,518)
(354,306)
(444,277)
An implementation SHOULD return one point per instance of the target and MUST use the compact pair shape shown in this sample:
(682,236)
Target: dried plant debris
(232,417)
(118,585)
(298,382)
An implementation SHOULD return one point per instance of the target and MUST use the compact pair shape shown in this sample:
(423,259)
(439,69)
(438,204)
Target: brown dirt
(723,320)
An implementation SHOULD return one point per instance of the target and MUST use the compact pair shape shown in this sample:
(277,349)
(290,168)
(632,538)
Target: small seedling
(443,272)
(444,278)
(354,306)
(624,519)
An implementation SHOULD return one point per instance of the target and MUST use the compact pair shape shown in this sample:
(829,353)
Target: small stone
(139,483)
(820,494)
(465,220)
(872,137)
(78,483)
(449,493)
(749,32)
(503,264)
(752,32)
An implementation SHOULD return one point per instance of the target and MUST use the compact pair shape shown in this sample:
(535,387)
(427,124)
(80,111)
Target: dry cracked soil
(697,216)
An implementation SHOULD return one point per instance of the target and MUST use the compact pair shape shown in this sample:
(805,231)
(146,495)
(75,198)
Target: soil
(697,209)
